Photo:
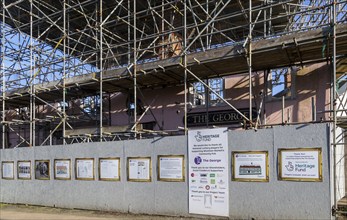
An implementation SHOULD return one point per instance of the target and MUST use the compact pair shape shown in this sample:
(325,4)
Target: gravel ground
(11,212)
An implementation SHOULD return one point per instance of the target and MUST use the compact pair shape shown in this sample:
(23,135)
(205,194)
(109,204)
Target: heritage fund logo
(299,167)
(289,166)
(200,137)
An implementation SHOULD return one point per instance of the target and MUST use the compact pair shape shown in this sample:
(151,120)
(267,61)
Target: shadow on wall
(315,84)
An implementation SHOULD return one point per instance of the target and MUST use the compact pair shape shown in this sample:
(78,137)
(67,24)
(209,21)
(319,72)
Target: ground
(11,212)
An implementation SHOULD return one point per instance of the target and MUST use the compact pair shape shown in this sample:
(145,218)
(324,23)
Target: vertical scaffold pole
(64,72)
(3,73)
(334,102)
(250,61)
(101,74)
(185,69)
(32,86)
(135,66)
(31,82)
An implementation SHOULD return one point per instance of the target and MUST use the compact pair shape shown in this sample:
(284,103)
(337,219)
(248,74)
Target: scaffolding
(56,54)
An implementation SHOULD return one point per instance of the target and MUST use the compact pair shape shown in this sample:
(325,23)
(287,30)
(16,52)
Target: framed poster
(171,168)
(250,166)
(24,170)
(139,169)
(62,169)
(7,170)
(300,164)
(84,168)
(42,169)
(109,169)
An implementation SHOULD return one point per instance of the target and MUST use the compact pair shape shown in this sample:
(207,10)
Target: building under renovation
(79,72)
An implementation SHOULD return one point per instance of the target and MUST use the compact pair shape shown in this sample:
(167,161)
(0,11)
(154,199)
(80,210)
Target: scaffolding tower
(59,54)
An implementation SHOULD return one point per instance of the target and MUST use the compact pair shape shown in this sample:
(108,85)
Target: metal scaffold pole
(185,69)
(31,128)
(64,74)
(250,61)
(2,52)
(135,70)
(101,73)
(334,99)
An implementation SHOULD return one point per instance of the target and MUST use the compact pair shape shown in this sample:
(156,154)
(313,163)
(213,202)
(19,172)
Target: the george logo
(197,160)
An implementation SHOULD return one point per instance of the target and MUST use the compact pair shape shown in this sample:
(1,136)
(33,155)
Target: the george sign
(250,166)
(300,164)
(171,168)
(208,172)
(218,117)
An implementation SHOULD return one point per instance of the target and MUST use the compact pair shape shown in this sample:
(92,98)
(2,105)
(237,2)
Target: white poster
(62,169)
(139,169)
(109,168)
(24,170)
(8,170)
(208,172)
(250,166)
(300,164)
(85,169)
(171,168)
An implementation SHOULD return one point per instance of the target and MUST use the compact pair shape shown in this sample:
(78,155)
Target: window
(281,83)
(201,95)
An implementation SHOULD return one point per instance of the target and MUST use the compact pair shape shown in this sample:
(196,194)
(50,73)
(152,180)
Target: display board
(62,169)
(171,168)
(84,168)
(109,169)
(139,169)
(42,168)
(24,170)
(250,166)
(7,170)
(300,164)
(208,172)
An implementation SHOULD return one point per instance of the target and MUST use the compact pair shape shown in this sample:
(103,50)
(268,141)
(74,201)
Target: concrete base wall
(271,200)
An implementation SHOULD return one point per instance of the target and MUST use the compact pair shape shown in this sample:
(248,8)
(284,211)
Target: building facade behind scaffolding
(58,57)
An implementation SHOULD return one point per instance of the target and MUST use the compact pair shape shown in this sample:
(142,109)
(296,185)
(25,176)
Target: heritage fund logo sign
(300,164)
(208,172)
